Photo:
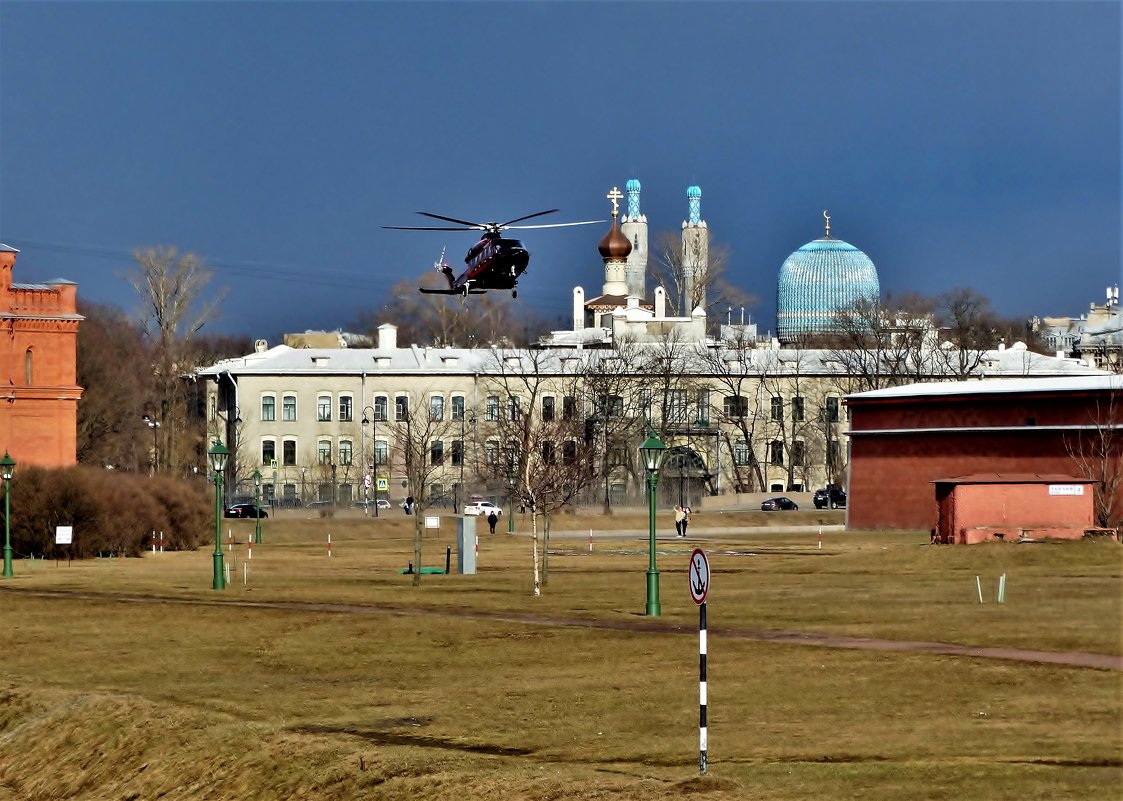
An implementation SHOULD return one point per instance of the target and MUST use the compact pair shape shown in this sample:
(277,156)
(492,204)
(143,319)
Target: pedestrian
(492,519)
(685,519)
(679,517)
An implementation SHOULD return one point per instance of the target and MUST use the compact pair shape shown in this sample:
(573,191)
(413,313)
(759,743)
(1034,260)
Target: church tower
(695,253)
(634,227)
(614,249)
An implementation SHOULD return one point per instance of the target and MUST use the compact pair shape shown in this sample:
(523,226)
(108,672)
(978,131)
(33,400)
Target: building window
(437,452)
(777,409)
(617,454)
(514,410)
(676,406)
(799,454)
(832,409)
(797,409)
(345,451)
(776,453)
(457,410)
(401,408)
(288,408)
(288,452)
(736,406)
(323,409)
(569,408)
(268,408)
(27,365)
(381,452)
(569,452)
(548,455)
(643,404)
(457,452)
(380,406)
(491,452)
(492,413)
(268,451)
(345,409)
(741,453)
(610,406)
(436,408)
(834,455)
(548,409)
(346,492)
(288,494)
(324,451)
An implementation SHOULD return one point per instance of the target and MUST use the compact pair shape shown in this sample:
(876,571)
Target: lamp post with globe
(218,455)
(651,454)
(7,470)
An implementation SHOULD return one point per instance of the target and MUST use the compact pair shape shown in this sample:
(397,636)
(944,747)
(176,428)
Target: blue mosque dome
(817,281)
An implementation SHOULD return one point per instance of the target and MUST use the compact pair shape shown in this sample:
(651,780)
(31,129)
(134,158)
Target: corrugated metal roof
(1096,381)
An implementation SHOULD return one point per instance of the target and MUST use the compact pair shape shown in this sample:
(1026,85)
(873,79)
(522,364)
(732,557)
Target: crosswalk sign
(383,484)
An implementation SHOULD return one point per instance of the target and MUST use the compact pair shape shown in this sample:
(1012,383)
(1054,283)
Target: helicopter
(494,262)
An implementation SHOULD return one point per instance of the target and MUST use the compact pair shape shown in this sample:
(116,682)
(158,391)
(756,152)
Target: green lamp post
(218,454)
(651,454)
(511,500)
(257,506)
(7,468)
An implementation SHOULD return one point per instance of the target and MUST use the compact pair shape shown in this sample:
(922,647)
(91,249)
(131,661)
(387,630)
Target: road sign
(699,576)
(273,465)
(366,481)
(383,484)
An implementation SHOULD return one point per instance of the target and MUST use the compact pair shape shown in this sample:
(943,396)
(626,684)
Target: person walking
(685,520)
(680,516)
(492,519)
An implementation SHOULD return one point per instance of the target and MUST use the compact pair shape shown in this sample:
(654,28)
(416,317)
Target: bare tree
(686,285)
(1097,452)
(172,291)
(882,345)
(733,368)
(542,439)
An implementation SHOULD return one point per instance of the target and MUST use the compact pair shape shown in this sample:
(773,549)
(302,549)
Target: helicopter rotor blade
(527,217)
(557,225)
(424,228)
(453,219)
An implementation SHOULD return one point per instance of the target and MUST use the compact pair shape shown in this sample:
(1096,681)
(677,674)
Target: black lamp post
(257,506)
(154,424)
(651,454)
(511,499)
(372,421)
(218,455)
(303,497)
(7,470)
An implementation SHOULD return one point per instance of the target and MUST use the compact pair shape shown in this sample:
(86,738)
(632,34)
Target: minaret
(634,226)
(614,249)
(695,253)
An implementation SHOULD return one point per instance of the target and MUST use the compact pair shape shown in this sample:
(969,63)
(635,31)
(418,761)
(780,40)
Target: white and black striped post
(702,688)
(699,590)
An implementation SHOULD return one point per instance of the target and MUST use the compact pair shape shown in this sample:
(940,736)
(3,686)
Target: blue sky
(956,143)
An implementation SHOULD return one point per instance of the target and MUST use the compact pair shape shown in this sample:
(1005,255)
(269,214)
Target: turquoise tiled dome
(817,281)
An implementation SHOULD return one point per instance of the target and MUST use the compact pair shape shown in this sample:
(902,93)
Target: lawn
(320,677)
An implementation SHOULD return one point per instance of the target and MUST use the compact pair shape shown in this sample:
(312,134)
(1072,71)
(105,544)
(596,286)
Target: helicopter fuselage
(494,263)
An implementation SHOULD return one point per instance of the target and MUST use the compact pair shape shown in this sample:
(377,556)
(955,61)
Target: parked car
(383,503)
(780,504)
(834,497)
(484,508)
(318,504)
(245,510)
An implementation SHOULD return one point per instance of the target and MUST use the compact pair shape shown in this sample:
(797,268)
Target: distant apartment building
(1096,336)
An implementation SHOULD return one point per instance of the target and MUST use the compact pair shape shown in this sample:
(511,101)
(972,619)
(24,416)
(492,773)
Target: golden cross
(615,195)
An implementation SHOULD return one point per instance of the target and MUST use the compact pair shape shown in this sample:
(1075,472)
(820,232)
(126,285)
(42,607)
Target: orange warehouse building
(39,392)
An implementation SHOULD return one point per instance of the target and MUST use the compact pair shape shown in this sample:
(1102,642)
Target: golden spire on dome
(827,217)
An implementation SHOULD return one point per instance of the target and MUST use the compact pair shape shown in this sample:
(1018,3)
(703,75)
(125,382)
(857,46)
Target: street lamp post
(7,468)
(651,454)
(154,424)
(257,506)
(372,421)
(303,497)
(511,500)
(218,454)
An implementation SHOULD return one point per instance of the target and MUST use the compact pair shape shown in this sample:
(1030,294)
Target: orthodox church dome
(817,281)
(615,246)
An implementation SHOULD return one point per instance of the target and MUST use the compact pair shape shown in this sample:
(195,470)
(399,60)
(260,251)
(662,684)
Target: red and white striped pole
(702,728)
(153,540)
(249,548)
(329,544)
(590,540)
(161,542)
(820,538)
(229,540)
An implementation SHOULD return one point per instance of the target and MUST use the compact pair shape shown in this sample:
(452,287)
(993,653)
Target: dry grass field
(318,677)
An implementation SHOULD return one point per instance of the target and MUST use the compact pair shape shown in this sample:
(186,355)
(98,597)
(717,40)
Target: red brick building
(903,439)
(995,506)
(38,370)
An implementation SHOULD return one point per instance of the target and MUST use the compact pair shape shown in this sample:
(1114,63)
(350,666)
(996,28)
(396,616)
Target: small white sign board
(1066,489)
(64,535)
(432,522)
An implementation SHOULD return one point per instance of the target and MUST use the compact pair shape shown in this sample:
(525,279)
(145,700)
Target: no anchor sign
(699,576)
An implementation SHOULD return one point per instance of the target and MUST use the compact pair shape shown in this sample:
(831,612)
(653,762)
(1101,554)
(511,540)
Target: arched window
(27,360)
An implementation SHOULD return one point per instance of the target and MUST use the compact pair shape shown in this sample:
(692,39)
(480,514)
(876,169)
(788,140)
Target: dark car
(780,504)
(245,510)
(834,497)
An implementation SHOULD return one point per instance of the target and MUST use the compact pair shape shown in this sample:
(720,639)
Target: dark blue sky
(956,143)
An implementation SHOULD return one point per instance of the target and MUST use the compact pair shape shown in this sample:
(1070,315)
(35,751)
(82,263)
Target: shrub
(110,512)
